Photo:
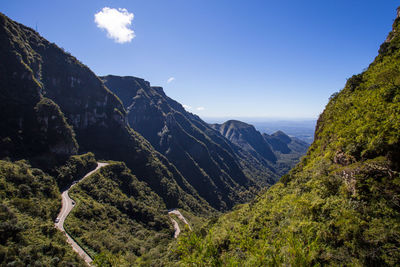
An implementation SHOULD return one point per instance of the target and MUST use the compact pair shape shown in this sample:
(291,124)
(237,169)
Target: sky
(225,58)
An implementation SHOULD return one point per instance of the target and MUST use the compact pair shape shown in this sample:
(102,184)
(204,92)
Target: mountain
(53,106)
(247,137)
(208,161)
(54,109)
(29,202)
(341,204)
(301,129)
(281,142)
(288,150)
(278,141)
(278,151)
(116,215)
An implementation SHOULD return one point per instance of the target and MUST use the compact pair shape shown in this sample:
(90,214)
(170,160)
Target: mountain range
(220,170)
(277,151)
(201,155)
(338,204)
(58,117)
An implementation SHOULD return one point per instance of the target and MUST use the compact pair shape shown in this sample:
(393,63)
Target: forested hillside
(341,204)
(54,110)
(120,217)
(222,173)
(277,152)
(29,203)
(53,107)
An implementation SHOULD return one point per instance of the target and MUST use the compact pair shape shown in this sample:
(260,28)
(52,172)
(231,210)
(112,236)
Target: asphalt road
(67,206)
(175,223)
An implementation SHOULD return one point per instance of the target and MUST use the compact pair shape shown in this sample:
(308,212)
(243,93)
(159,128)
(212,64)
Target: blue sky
(275,59)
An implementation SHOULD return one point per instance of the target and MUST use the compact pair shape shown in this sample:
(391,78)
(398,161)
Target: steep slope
(341,204)
(278,151)
(209,162)
(247,137)
(117,215)
(116,218)
(288,150)
(47,96)
(29,202)
(279,141)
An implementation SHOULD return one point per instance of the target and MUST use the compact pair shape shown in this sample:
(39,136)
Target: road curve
(175,223)
(66,207)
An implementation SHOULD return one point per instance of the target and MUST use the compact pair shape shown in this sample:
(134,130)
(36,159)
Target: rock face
(51,102)
(341,204)
(282,143)
(247,137)
(32,126)
(278,151)
(208,161)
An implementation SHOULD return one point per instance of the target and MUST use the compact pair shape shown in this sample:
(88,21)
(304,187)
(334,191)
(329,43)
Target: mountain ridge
(278,151)
(91,116)
(340,204)
(204,157)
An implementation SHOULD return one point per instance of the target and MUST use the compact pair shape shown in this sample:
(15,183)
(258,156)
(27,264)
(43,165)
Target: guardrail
(69,233)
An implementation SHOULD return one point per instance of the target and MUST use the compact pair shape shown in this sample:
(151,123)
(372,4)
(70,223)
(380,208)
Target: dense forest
(340,205)
(58,119)
(30,200)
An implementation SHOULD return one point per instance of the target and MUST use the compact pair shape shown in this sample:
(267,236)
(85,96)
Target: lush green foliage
(51,102)
(315,219)
(29,202)
(270,156)
(341,204)
(74,169)
(33,127)
(211,166)
(119,219)
(55,131)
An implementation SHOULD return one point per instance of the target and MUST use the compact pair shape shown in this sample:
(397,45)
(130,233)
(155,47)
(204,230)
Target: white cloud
(171,79)
(187,107)
(116,22)
(200,108)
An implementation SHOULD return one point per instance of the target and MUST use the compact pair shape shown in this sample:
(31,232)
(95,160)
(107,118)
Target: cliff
(208,161)
(340,204)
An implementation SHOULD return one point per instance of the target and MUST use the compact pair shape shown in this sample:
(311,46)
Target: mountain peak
(238,124)
(282,137)
(206,159)
(246,136)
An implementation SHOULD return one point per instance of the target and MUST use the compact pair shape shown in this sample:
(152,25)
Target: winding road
(67,205)
(175,223)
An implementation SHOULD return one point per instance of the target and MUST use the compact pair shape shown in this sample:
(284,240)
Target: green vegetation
(182,226)
(33,126)
(51,103)
(194,220)
(74,169)
(264,157)
(56,132)
(212,167)
(29,202)
(340,205)
(119,219)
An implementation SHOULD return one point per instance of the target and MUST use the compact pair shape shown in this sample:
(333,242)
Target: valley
(66,207)
(111,171)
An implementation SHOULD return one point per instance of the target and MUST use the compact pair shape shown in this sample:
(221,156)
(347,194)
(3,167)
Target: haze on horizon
(230,59)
